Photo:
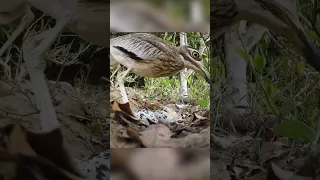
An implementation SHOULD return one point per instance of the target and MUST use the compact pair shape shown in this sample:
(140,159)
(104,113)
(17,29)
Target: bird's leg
(121,86)
(34,51)
(25,22)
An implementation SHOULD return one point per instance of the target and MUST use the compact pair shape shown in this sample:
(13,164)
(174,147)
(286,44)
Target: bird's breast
(155,70)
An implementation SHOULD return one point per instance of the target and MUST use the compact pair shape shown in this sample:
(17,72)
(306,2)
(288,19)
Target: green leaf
(300,67)
(295,129)
(291,63)
(259,63)
(268,87)
(285,67)
(222,70)
(244,55)
(202,103)
(276,91)
(270,106)
(237,25)
(313,35)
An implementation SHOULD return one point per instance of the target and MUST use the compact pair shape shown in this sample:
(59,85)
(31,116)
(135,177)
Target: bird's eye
(195,54)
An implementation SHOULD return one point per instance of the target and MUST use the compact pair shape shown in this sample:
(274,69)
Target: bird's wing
(143,46)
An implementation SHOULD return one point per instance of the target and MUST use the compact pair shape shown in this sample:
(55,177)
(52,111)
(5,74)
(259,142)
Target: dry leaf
(271,150)
(199,120)
(150,106)
(197,116)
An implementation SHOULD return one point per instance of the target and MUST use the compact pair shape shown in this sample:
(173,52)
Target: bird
(150,56)
(96,166)
(278,16)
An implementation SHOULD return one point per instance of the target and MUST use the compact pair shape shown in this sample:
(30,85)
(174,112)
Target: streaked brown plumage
(150,56)
(278,16)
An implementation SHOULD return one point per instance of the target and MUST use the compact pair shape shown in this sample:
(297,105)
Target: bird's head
(193,60)
(280,16)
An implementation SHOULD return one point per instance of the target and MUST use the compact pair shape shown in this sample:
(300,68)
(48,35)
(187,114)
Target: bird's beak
(198,67)
(193,64)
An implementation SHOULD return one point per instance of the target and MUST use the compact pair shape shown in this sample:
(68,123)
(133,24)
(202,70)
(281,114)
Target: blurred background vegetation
(160,15)
(70,59)
(179,8)
(293,85)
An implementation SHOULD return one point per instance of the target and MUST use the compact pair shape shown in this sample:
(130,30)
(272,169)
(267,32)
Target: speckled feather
(97,166)
(146,46)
